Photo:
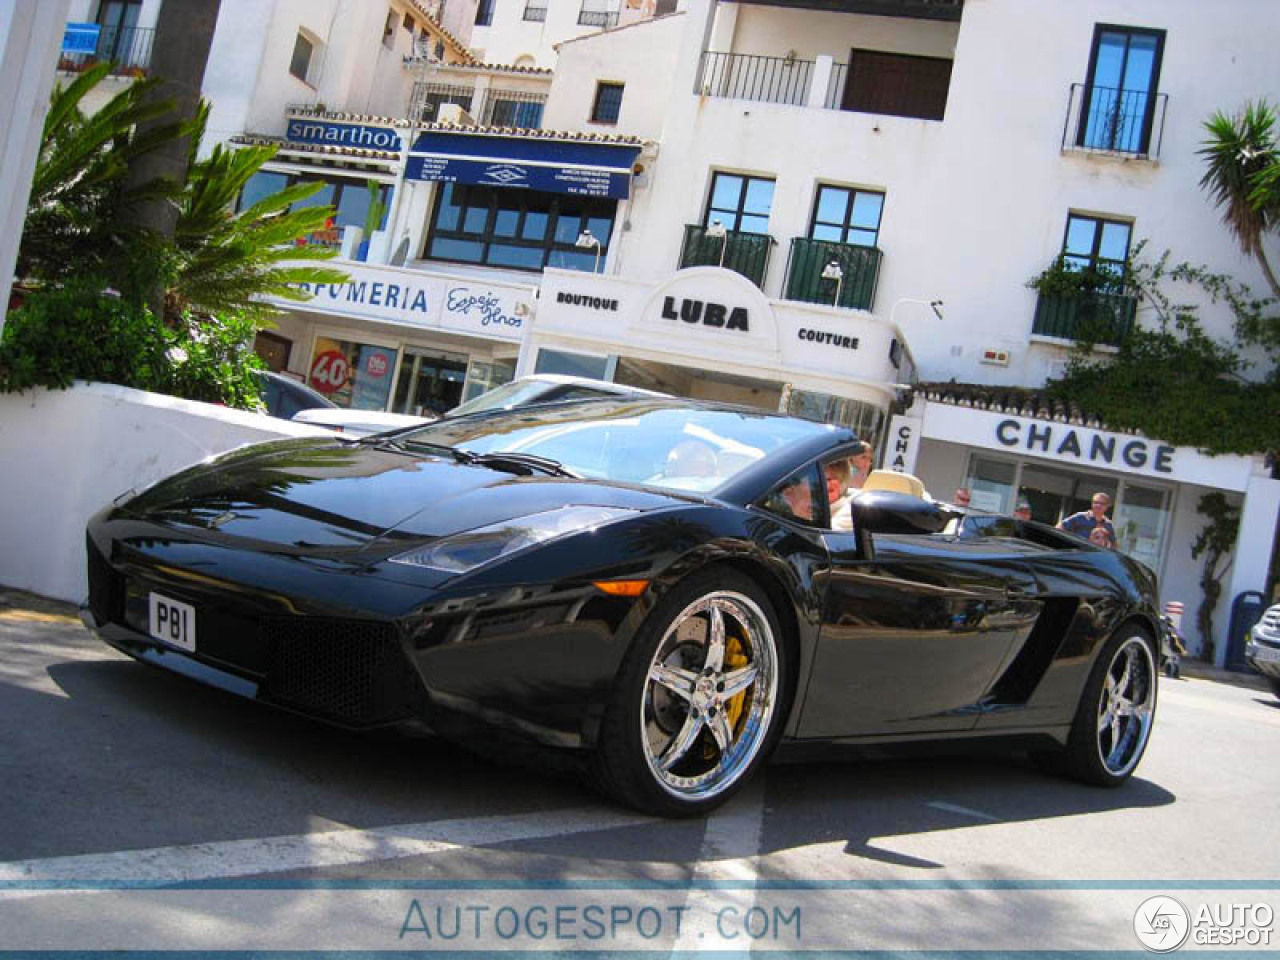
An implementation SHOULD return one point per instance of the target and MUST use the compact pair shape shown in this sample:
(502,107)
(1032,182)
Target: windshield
(671,446)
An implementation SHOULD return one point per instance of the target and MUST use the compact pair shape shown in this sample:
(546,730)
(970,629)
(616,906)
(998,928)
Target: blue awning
(554,166)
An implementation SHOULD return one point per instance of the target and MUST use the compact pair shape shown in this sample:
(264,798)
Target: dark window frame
(1149,110)
(847,226)
(739,212)
(599,107)
(487,238)
(293,60)
(1098,262)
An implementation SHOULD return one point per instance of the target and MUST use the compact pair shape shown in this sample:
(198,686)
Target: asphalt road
(141,811)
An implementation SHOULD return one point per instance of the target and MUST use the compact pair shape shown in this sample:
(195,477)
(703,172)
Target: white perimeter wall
(68,453)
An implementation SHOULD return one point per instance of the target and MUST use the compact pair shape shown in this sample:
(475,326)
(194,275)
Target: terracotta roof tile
(1019,401)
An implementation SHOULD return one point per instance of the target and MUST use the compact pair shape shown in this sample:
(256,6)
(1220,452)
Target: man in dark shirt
(1083,523)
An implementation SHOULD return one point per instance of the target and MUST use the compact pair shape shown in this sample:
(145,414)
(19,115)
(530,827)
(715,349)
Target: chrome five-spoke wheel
(1126,706)
(709,695)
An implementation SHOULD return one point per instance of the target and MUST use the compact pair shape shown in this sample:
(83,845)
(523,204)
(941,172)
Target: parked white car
(358,423)
(546,388)
(1263,648)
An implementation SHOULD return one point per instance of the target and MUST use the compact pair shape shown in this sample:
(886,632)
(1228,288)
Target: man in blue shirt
(1083,523)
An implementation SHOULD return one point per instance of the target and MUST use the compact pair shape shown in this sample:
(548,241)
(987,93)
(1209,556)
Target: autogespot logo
(1161,924)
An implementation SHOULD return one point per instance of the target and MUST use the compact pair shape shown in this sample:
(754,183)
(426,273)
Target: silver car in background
(1263,648)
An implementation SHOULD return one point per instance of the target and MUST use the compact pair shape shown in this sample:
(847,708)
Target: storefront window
(519,229)
(430,383)
(1140,512)
(572,364)
(990,484)
(862,418)
(351,198)
(356,375)
(485,375)
(1141,519)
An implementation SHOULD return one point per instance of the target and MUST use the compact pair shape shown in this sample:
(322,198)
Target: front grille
(1268,631)
(106,586)
(350,671)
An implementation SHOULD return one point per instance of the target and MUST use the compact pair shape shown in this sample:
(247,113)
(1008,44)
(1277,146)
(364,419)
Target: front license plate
(1269,654)
(173,622)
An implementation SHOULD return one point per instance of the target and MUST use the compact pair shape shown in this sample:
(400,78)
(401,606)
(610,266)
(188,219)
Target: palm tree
(73,225)
(1242,176)
(228,259)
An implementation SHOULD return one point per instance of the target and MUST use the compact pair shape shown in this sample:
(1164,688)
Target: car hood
(353,501)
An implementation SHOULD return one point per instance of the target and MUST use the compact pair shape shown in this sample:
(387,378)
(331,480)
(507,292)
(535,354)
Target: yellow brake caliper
(735,658)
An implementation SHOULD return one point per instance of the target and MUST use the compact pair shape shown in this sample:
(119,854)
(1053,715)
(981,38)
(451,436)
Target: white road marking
(245,858)
(964,811)
(730,848)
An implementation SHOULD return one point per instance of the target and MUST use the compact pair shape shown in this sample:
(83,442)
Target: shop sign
(709,313)
(306,130)
(1064,442)
(421,300)
(903,445)
(837,341)
(587,300)
(577,181)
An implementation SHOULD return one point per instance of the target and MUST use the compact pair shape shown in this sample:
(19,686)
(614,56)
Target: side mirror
(887,511)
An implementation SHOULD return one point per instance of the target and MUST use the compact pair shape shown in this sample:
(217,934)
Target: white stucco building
(807,206)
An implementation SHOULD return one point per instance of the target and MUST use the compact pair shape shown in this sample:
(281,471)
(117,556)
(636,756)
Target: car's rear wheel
(1113,720)
(700,698)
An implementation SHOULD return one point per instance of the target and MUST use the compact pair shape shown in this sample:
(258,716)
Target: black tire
(1275,685)
(1113,720)
(662,743)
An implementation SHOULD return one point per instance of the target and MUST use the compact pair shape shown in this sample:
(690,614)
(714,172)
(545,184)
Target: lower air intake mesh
(350,671)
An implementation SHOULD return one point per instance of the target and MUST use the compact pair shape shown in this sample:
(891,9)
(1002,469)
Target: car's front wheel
(699,700)
(1113,720)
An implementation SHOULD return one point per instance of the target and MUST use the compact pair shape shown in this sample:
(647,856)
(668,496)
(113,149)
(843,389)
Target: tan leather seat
(892,480)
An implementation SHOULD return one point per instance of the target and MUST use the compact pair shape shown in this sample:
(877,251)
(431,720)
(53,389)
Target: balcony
(1103,318)
(738,76)
(859,266)
(598,18)
(874,81)
(128,48)
(1106,120)
(744,253)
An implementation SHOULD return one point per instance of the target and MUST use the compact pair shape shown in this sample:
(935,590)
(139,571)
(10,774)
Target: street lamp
(586,240)
(717,232)
(933,305)
(833,271)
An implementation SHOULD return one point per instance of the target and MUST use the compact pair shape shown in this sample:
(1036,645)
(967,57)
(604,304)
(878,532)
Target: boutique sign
(305,130)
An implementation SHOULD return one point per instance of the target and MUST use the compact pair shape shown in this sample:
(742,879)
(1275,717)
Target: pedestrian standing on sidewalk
(1083,523)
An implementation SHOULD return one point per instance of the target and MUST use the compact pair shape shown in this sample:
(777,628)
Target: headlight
(462,552)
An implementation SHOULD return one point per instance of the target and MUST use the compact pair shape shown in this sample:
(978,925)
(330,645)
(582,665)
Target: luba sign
(342,134)
(708,313)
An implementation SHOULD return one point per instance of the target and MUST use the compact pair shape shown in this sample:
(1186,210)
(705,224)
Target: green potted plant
(372,219)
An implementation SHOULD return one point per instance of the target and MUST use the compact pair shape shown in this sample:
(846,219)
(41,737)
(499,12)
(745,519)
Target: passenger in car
(838,475)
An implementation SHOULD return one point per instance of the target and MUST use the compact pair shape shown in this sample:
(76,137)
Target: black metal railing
(598,18)
(859,269)
(129,48)
(744,253)
(512,108)
(741,76)
(1092,317)
(535,13)
(1110,120)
